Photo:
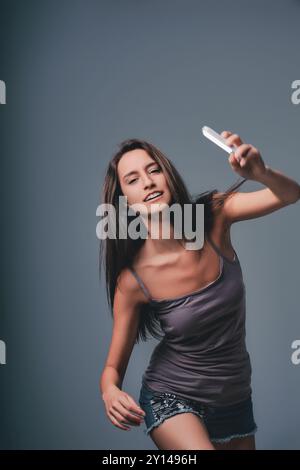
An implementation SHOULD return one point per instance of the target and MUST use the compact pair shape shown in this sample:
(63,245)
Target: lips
(158,195)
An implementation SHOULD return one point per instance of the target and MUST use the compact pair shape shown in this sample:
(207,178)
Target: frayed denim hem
(175,412)
(234,436)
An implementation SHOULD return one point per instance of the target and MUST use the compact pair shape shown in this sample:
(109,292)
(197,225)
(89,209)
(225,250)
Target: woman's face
(140,175)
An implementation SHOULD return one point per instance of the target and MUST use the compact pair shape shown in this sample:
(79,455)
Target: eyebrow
(134,171)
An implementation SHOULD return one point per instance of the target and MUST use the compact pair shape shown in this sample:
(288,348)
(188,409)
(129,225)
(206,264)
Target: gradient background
(81,76)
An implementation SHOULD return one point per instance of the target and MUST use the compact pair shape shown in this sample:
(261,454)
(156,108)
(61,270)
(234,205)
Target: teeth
(153,195)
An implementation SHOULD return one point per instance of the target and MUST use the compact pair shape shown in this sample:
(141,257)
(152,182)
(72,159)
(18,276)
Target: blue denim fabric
(222,423)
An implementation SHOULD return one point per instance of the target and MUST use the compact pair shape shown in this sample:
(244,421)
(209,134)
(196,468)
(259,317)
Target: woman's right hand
(121,408)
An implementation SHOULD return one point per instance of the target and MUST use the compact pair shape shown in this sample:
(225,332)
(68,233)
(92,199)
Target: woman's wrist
(109,389)
(264,175)
(284,187)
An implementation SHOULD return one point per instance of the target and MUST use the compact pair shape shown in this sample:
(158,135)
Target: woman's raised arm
(247,162)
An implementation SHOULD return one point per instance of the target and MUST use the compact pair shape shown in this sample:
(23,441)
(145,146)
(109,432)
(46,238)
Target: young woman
(196,391)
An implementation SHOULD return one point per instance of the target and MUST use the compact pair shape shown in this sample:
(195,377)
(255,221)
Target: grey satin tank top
(203,355)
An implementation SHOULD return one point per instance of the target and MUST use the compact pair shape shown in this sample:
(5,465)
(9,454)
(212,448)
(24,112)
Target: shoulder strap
(142,285)
(212,243)
(217,249)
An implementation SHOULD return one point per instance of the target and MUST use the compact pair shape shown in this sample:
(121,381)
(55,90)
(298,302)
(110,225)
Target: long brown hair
(115,254)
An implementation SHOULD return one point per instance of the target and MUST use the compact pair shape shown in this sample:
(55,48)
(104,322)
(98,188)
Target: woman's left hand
(245,159)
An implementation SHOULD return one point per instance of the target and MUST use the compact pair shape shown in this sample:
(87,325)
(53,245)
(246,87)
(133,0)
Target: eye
(157,170)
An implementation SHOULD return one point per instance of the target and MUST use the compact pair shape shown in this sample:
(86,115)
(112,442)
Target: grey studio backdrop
(80,77)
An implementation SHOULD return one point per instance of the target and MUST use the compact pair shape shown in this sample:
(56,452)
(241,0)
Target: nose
(147,180)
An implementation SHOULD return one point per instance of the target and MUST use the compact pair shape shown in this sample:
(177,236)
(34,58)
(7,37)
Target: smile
(155,196)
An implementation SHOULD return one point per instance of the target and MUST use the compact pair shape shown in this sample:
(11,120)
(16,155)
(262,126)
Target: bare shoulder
(128,291)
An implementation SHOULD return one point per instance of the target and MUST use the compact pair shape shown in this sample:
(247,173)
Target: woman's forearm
(284,187)
(110,378)
(247,161)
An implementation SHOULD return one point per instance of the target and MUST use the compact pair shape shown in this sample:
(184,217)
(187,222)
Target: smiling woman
(196,391)
(137,169)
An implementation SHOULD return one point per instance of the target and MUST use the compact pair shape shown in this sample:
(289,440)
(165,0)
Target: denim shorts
(223,423)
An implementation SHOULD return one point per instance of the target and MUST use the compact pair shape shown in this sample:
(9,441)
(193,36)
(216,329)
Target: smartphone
(217,139)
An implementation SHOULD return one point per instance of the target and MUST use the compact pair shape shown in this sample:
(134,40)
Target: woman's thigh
(183,431)
(241,443)
(174,422)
